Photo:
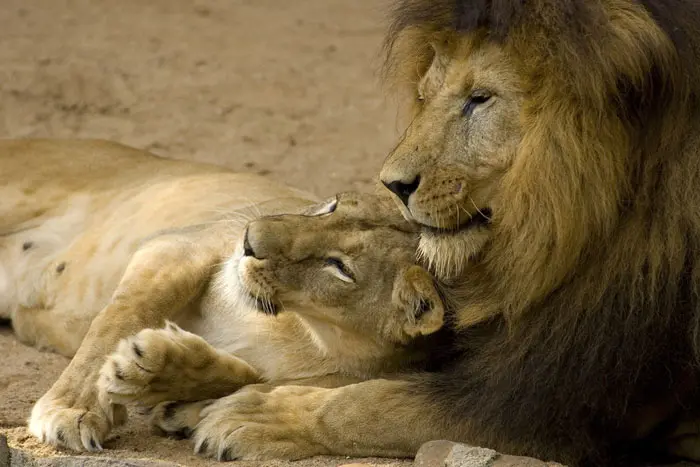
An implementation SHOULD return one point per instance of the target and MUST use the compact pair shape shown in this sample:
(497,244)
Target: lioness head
(349,262)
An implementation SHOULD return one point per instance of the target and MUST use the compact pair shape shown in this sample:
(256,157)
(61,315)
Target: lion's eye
(477,98)
(339,269)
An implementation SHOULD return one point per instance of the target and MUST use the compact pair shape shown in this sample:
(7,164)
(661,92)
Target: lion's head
(349,262)
(536,128)
(449,165)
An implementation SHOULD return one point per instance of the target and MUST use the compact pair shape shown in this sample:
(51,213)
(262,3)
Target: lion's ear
(418,300)
(441,54)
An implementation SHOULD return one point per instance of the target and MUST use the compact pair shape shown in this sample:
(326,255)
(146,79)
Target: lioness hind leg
(162,278)
(158,365)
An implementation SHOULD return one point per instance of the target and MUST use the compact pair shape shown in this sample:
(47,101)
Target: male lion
(100,241)
(553,160)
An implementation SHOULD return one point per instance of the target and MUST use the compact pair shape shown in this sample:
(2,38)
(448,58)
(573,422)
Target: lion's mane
(593,271)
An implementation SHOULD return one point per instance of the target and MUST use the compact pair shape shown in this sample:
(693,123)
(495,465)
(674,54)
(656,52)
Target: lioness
(100,241)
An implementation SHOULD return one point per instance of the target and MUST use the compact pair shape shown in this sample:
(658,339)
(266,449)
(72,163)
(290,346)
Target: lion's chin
(448,253)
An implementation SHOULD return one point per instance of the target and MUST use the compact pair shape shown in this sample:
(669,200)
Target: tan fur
(302,419)
(99,242)
(515,164)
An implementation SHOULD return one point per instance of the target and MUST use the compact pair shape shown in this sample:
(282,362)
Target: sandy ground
(284,88)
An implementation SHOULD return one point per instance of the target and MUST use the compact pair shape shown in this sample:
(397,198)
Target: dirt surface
(285,88)
(288,89)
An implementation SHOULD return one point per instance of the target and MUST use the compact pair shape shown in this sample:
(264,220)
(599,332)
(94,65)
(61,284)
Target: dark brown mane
(556,28)
(678,18)
(598,302)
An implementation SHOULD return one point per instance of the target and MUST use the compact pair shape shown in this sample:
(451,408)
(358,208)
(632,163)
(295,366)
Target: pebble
(442,453)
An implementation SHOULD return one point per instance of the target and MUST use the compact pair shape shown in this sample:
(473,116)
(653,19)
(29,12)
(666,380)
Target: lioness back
(73,213)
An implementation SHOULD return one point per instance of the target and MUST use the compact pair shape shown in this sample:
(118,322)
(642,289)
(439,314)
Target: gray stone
(441,453)
(449,454)
(4,452)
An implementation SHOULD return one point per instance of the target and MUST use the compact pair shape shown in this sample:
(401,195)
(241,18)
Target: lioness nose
(247,249)
(403,190)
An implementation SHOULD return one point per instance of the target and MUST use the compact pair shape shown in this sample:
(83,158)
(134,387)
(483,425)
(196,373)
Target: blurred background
(280,87)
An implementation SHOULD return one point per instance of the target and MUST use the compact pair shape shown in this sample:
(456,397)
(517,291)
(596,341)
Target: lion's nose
(402,189)
(247,249)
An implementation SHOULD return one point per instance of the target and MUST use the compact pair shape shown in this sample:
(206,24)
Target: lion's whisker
(479,210)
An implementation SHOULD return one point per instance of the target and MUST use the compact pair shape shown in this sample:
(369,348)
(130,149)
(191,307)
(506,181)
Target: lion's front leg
(257,425)
(162,277)
(373,418)
(684,442)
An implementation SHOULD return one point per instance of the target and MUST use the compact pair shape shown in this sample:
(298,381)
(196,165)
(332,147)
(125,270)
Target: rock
(448,454)
(442,453)
(4,452)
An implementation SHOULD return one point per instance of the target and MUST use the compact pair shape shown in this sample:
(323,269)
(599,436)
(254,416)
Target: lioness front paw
(137,370)
(158,365)
(78,423)
(256,425)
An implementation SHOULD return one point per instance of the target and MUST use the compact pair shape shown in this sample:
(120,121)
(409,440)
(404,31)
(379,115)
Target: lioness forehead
(382,248)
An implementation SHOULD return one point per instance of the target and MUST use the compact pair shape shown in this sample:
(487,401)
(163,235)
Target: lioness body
(99,242)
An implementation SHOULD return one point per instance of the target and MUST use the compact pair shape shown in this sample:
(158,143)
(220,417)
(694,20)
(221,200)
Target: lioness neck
(287,346)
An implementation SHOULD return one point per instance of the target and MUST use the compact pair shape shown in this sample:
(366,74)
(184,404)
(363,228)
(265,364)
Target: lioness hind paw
(127,374)
(177,419)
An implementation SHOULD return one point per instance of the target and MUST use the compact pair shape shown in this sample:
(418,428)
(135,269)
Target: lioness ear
(416,296)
